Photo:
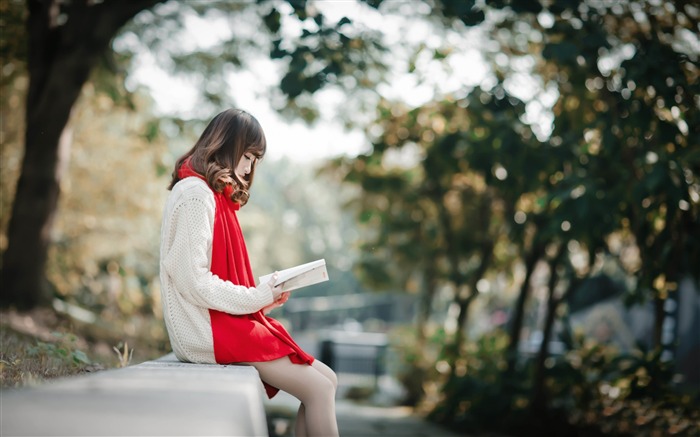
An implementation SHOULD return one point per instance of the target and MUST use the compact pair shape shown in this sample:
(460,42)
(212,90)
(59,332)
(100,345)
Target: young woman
(213,311)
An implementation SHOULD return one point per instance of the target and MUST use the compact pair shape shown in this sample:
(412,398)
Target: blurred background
(506,194)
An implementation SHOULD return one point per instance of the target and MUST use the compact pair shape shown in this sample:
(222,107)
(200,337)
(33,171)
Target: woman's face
(245,166)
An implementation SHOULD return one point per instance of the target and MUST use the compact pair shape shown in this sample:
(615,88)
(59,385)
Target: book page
(300,276)
(289,273)
(311,277)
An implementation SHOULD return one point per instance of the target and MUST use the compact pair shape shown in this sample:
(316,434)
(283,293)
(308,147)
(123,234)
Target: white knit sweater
(188,287)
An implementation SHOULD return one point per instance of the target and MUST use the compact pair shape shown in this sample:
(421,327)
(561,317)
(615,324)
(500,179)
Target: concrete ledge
(161,397)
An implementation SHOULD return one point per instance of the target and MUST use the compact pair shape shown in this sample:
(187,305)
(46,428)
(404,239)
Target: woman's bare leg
(300,424)
(312,387)
(326,371)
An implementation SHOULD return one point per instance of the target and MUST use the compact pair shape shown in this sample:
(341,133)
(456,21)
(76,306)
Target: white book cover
(299,276)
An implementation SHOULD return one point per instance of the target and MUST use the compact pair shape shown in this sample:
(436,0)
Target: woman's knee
(327,372)
(309,385)
(334,379)
(331,376)
(319,392)
(326,389)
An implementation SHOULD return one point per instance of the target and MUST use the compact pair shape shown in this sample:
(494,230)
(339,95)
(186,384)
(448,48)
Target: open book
(300,276)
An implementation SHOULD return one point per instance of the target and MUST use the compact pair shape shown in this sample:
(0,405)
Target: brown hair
(229,136)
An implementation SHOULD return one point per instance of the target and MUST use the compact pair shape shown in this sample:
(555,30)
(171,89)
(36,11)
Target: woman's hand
(276,290)
(284,297)
(278,294)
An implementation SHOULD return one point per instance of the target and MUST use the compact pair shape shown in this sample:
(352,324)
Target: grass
(25,360)
(41,345)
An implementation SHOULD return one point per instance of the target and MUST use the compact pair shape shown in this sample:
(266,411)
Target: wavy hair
(229,136)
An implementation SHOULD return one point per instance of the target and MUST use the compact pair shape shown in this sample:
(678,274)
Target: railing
(361,353)
(310,313)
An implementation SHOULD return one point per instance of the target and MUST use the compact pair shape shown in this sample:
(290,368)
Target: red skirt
(253,338)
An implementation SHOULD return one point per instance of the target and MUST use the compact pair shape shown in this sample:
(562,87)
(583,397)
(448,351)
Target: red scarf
(229,257)
(248,337)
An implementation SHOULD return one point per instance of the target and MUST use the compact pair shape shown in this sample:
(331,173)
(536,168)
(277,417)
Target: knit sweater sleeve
(186,260)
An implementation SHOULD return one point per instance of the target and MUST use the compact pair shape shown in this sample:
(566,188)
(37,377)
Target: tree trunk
(426,303)
(419,369)
(61,56)
(539,398)
(659,317)
(540,395)
(519,311)
(464,303)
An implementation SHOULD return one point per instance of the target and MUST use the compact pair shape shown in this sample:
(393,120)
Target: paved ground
(368,421)
(357,420)
(378,418)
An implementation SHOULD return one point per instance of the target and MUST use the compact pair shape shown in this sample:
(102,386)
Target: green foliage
(294,216)
(40,345)
(10,153)
(594,390)
(106,236)
(13,50)
(416,371)
(617,177)
(454,191)
(624,113)
(616,394)
(464,10)
(343,54)
(27,360)
(63,349)
(480,396)
(313,51)
(447,206)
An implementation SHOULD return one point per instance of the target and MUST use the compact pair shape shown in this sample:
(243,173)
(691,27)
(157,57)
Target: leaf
(152,130)
(291,85)
(277,52)
(299,8)
(373,3)
(80,357)
(655,179)
(525,6)
(565,52)
(273,21)
(464,10)
(473,18)
(559,6)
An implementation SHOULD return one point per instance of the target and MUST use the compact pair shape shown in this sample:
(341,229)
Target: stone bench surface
(161,397)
